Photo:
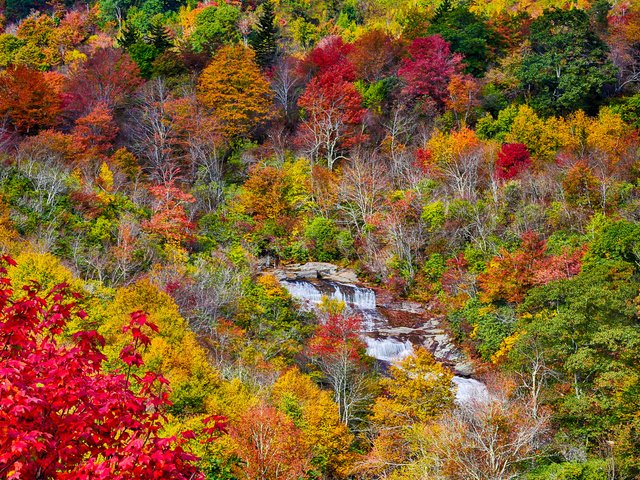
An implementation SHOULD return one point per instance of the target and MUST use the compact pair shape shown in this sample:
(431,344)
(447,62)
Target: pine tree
(158,37)
(441,10)
(266,35)
(128,36)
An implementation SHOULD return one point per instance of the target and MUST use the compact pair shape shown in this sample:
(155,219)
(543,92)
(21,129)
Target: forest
(162,162)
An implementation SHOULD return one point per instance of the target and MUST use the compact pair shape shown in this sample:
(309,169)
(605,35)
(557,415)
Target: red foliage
(87,202)
(333,112)
(513,159)
(61,415)
(330,56)
(510,276)
(96,131)
(169,218)
(339,334)
(429,68)
(108,76)
(28,99)
(424,160)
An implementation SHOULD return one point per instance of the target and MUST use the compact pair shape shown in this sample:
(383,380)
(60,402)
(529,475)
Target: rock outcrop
(316,271)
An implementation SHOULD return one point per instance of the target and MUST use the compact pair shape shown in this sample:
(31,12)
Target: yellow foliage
(9,238)
(608,135)
(332,306)
(419,389)
(105,178)
(448,148)
(174,351)
(497,8)
(235,91)
(271,285)
(329,439)
(232,399)
(505,347)
(542,137)
(43,268)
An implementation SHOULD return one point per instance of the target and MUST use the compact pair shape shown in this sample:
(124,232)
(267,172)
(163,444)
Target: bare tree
(214,291)
(153,132)
(348,380)
(362,190)
(286,85)
(488,440)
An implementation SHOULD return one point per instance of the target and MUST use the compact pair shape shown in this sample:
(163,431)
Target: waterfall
(388,349)
(383,342)
(305,292)
(358,300)
(470,390)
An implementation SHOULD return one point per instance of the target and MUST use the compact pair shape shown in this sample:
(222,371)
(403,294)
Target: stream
(388,342)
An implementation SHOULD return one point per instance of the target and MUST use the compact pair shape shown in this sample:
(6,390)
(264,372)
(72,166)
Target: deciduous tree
(62,415)
(331,117)
(428,69)
(29,101)
(234,90)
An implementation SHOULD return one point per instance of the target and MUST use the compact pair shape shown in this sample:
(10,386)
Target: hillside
(320,239)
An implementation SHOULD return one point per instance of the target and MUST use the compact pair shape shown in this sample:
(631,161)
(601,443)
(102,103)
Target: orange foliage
(270,446)
(235,90)
(510,276)
(28,100)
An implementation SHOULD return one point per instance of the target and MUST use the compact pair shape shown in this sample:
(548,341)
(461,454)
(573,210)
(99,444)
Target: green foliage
(469,35)
(586,329)
(589,470)
(375,94)
(144,55)
(616,240)
(490,128)
(265,37)
(434,215)
(322,235)
(215,26)
(567,67)
(487,327)
(9,45)
(629,109)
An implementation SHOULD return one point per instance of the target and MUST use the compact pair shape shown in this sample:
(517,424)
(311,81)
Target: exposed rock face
(318,271)
(391,330)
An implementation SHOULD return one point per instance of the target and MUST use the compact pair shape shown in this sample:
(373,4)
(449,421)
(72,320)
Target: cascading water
(384,342)
(361,301)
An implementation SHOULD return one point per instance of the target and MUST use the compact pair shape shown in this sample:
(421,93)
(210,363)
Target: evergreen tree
(266,36)
(158,37)
(128,36)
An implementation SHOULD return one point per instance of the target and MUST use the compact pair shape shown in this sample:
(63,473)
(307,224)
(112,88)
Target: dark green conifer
(265,38)
(128,36)
(159,37)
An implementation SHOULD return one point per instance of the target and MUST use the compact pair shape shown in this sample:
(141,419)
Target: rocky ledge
(316,271)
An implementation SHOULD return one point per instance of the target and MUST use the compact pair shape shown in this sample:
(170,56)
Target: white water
(470,390)
(382,347)
(357,299)
(388,349)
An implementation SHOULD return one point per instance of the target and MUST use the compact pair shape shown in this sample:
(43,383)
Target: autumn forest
(320,239)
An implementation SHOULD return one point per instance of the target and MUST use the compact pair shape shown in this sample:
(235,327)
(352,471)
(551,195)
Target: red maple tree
(330,56)
(61,415)
(513,159)
(333,113)
(428,69)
